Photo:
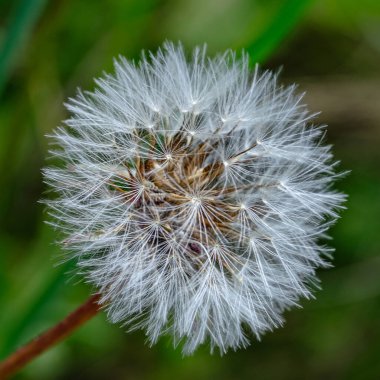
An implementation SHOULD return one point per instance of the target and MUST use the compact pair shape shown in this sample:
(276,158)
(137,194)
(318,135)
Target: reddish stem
(29,351)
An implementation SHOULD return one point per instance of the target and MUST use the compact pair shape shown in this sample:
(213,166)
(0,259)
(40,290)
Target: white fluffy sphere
(193,194)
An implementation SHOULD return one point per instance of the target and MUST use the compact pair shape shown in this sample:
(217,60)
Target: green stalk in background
(22,20)
(12,337)
(280,26)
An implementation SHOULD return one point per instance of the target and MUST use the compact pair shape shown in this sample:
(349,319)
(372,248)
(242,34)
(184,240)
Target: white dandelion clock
(193,195)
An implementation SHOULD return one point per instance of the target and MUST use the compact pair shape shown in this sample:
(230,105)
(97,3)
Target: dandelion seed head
(193,194)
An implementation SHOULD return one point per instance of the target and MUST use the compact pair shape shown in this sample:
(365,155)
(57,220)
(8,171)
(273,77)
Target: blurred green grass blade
(14,336)
(24,16)
(280,25)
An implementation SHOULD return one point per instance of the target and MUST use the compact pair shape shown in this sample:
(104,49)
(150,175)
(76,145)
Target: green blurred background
(330,47)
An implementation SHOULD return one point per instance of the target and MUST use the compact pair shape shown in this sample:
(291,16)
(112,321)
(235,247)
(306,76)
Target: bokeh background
(330,47)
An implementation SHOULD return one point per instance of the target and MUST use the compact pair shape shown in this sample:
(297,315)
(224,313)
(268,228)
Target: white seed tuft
(193,195)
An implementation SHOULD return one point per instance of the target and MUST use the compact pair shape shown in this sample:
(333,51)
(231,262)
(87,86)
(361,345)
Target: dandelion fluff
(193,194)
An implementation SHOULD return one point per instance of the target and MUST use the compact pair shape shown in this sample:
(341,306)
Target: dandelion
(193,194)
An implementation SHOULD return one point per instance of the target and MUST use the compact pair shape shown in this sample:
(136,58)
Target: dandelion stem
(46,340)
